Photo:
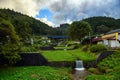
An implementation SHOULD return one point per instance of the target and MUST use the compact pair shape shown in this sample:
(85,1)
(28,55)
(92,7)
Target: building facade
(110,39)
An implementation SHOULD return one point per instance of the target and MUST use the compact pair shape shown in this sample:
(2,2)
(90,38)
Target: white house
(110,39)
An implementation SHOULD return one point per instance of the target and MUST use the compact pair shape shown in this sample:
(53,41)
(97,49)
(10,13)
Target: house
(110,39)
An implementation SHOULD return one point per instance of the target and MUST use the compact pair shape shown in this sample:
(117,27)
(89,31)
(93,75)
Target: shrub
(98,48)
(110,63)
(28,49)
(95,77)
(9,54)
(94,70)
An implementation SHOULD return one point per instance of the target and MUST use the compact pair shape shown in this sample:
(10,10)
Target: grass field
(64,47)
(35,73)
(68,55)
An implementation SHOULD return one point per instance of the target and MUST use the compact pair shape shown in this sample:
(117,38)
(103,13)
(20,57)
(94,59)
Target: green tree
(79,29)
(8,43)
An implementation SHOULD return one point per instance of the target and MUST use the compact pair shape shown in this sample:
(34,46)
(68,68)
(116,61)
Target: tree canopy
(102,24)
(7,32)
(79,29)
(8,42)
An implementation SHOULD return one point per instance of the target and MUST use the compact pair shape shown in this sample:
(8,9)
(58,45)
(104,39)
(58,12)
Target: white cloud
(24,6)
(29,7)
(45,20)
(65,10)
(78,9)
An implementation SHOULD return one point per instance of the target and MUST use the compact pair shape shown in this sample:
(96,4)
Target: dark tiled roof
(113,31)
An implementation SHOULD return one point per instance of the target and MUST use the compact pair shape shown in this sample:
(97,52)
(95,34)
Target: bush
(110,63)
(98,48)
(94,70)
(9,54)
(95,77)
(28,49)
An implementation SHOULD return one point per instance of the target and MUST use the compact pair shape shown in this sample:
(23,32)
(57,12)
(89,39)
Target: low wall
(32,59)
(102,56)
(37,59)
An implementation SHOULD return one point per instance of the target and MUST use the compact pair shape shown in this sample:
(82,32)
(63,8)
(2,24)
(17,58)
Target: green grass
(68,55)
(85,56)
(35,73)
(96,77)
(115,75)
(109,67)
(64,47)
(58,55)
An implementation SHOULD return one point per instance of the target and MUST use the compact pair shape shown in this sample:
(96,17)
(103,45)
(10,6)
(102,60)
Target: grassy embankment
(35,73)
(68,55)
(108,68)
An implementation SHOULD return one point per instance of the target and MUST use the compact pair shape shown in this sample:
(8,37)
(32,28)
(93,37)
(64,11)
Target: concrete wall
(32,59)
(36,59)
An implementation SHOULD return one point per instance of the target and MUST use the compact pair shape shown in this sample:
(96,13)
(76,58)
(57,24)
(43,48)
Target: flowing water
(79,65)
(80,73)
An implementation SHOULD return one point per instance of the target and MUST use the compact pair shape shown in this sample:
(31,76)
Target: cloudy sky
(55,12)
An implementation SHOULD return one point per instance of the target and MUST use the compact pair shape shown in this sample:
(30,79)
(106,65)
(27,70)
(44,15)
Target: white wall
(114,43)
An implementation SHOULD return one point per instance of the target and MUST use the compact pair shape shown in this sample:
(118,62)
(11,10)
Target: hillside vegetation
(103,24)
(109,68)
(26,26)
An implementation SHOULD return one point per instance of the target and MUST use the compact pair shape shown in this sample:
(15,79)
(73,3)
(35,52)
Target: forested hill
(25,25)
(103,24)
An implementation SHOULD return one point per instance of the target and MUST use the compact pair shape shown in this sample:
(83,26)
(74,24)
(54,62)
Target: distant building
(110,39)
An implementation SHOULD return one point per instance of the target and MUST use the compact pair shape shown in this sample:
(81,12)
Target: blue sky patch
(45,13)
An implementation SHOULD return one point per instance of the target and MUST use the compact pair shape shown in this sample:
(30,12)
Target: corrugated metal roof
(113,31)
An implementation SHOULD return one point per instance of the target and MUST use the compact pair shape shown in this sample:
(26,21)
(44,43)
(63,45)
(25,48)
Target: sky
(56,12)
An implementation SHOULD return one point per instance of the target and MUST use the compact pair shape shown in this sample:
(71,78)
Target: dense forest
(102,25)
(26,26)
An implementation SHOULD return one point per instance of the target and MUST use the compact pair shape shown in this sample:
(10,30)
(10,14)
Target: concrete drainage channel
(80,75)
(80,72)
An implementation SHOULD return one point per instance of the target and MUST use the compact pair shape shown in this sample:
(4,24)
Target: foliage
(115,75)
(10,54)
(28,49)
(26,26)
(64,47)
(110,62)
(98,48)
(103,24)
(68,55)
(94,70)
(7,32)
(62,30)
(9,42)
(96,77)
(35,73)
(110,67)
(79,29)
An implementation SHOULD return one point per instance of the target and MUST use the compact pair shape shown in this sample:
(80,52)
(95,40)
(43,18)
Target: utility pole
(90,38)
